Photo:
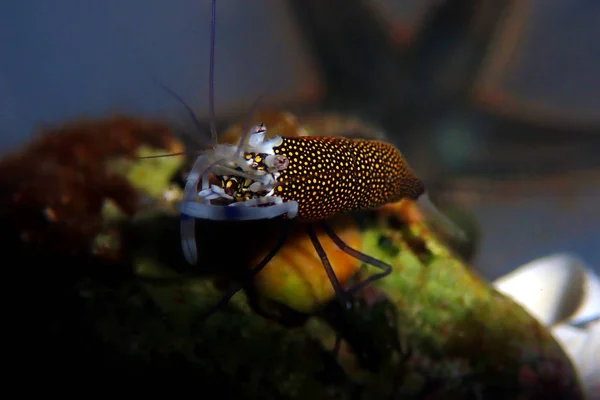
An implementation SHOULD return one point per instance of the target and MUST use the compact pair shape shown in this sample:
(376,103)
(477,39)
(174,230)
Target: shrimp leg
(339,291)
(247,278)
(385,268)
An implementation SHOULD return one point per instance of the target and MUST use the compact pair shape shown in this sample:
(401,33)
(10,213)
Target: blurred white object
(563,294)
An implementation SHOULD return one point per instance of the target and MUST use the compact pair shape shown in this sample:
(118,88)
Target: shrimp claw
(247,176)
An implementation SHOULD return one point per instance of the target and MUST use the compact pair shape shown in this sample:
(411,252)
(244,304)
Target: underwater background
(494,105)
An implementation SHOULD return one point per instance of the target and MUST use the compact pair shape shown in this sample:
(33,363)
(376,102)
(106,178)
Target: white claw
(256,186)
(221,192)
(188,239)
(228,160)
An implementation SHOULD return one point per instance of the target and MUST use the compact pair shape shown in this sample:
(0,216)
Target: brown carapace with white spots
(329,175)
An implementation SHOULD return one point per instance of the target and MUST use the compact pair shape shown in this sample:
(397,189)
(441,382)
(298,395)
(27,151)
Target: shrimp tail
(434,215)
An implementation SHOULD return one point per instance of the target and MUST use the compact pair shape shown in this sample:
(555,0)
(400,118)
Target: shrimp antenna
(177,97)
(164,155)
(246,126)
(211,88)
(181,153)
(191,113)
(211,74)
(429,208)
(211,83)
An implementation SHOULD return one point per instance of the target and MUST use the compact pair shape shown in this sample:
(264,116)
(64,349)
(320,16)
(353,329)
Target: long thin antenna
(190,112)
(246,126)
(211,74)
(163,155)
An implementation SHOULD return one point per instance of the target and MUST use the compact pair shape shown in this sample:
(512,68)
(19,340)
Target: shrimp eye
(260,128)
(257,135)
(277,163)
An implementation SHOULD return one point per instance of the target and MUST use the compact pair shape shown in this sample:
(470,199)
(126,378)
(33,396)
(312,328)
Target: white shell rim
(227,213)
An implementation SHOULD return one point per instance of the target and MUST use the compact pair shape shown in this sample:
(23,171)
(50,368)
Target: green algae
(465,338)
(434,329)
(148,172)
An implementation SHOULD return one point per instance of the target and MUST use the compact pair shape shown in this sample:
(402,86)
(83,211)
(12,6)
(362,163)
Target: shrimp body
(311,178)
(331,175)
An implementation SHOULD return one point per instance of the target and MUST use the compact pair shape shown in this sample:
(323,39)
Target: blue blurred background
(496,104)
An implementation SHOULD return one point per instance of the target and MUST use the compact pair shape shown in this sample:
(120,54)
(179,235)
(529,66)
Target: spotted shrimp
(305,179)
